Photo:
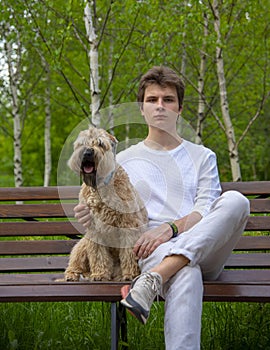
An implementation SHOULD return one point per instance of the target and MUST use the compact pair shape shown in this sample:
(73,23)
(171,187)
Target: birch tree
(201,81)
(93,62)
(47,126)
(13,52)
(229,129)
(184,35)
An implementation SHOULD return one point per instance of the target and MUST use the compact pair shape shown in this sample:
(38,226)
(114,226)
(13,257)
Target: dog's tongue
(88,169)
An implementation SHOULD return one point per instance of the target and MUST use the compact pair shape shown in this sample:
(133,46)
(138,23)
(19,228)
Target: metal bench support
(118,325)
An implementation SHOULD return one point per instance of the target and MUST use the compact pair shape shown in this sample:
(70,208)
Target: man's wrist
(174,229)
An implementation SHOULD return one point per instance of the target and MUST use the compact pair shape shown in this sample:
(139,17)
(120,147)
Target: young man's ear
(141,109)
(179,113)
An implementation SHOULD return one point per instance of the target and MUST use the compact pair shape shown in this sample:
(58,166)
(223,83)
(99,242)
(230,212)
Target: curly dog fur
(118,216)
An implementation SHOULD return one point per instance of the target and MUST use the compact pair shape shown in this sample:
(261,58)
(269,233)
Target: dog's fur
(118,216)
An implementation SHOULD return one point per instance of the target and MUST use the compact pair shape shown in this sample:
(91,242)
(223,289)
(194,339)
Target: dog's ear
(100,142)
(81,139)
(114,143)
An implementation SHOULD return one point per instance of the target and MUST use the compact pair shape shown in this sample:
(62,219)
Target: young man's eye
(169,99)
(151,100)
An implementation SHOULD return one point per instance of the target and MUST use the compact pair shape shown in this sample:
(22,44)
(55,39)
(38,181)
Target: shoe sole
(130,308)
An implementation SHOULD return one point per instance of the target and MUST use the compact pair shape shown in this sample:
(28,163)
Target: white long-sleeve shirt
(172,183)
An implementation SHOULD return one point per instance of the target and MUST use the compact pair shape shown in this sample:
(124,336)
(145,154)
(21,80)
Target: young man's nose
(160,103)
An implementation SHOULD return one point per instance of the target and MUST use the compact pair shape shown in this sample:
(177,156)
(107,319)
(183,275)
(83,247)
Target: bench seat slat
(233,277)
(111,293)
(237,292)
(61,292)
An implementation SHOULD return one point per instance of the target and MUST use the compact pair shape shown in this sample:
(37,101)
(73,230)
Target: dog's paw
(72,277)
(60,280)
(98,277)
(128,277)
(117,278)
(87,276)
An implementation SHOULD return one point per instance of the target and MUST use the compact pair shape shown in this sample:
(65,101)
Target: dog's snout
(89,152)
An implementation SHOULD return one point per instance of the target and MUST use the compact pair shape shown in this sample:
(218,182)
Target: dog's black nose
(89,152)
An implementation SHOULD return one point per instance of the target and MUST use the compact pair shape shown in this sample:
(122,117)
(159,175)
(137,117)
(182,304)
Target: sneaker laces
(152,284)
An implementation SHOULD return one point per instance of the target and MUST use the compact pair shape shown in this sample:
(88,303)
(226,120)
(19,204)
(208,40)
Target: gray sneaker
(141,294)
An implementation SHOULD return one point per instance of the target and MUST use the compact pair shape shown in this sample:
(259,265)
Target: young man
(192,228)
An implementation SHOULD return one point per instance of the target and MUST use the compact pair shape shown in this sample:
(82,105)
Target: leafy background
(50,39)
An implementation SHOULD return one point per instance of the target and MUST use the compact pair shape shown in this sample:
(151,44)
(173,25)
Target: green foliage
(133,36)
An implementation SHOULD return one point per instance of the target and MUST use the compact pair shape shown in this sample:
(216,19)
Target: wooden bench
(37,232)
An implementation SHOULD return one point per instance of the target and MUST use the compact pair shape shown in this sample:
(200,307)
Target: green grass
(81,326)
(236,326)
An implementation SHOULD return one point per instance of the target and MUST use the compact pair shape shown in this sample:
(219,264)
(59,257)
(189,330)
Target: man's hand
(82,214)
(151,239)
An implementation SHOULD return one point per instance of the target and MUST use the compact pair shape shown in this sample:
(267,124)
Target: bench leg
(118,323)
(123,323)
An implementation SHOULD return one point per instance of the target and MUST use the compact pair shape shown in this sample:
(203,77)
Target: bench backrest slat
(36,247)
(260,205)
(50,263)
(38,193)
(248,188)
(40,228)
(45,210)
(253,260)
(63,210)
(59,263)
(258,223)
(251,243)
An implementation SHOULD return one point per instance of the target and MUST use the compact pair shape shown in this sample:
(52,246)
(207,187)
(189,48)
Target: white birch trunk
(184,52)
(93,60)
(14,76)
(232,145)
(201,104)
(111,118)
(47,130)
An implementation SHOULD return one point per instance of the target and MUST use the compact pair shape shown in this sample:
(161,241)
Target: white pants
(207,245)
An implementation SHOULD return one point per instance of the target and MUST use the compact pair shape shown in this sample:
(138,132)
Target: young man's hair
(163,76)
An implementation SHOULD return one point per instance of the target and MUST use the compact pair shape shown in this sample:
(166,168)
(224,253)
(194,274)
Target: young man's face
(160,106)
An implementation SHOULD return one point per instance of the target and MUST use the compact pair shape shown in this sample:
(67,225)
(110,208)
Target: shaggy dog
(118,216)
